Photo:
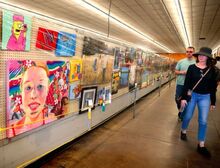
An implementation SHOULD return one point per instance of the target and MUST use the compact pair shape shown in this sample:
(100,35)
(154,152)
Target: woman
(203,95)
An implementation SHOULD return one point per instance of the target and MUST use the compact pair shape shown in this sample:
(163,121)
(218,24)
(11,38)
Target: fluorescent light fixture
(182,22)
(67,24)
(215,50)
(123,24)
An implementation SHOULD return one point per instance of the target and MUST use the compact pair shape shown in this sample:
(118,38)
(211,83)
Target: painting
(37,93)
(144,78)
(92,46)
(132,74)
(107,95)
(74,91)
(66,44)
(46,39)
(115,81)
(138,76)
(75,70)
(124,77)
(100,96)
(88,98)
(97,69)
(16,32)
(103,95)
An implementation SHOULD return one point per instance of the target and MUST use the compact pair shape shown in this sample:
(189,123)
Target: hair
(191,47)
(217,58)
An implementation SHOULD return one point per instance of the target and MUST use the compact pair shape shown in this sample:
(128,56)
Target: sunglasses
(189,51)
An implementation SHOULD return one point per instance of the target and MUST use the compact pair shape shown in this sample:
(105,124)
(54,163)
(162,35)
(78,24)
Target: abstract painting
(75,70)
(37,93)
(66,44)
(16,32)
(46,39)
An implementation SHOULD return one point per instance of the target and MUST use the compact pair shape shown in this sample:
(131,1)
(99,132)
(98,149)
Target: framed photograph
(88,94)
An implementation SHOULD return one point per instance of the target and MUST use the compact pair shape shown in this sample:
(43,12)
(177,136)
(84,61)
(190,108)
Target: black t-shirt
(206,86)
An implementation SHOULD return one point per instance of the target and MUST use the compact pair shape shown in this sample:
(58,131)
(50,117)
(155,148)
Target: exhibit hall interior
(109,83)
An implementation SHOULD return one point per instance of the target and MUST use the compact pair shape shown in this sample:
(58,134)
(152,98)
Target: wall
(33,144)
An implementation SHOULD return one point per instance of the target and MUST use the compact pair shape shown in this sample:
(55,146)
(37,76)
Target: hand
(183,104)
(183,72)
(212,107)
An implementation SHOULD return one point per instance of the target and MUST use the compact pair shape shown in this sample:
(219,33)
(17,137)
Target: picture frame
(87,94)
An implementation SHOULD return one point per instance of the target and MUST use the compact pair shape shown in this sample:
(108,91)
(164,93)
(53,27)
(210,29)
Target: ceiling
(157,19)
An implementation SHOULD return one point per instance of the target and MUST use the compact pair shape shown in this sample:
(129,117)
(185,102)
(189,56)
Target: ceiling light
(67,24)
(182,22)
(123,24)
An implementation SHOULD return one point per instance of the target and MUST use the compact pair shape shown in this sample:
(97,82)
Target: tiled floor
(151,140)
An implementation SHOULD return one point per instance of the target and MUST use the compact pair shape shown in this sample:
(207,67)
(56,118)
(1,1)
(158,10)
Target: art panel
(66,44)
(37,93)
(75,91)
(124,77)
(75,70)
(115,81)
(16,31)
(97,69)
(46,39)
(92,46)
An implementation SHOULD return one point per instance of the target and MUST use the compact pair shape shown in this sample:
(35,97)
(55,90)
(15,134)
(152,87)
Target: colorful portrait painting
(115,81)
(75,91)
(66,44)
(16,31)
(46,39)
(37,93)
(75,70)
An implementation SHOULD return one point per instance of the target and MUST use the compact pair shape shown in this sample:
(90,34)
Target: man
(180,71)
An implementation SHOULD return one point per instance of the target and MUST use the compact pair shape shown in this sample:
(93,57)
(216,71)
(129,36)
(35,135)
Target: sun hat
(206,51)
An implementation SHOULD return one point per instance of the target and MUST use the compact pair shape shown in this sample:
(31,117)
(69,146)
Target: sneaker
(180,116)
(203,151)
(183,136)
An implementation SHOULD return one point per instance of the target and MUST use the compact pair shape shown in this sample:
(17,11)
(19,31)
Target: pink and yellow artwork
(16,31)
(75,70)
(37,94)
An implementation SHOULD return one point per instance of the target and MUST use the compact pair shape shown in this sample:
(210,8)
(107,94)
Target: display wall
(52,75)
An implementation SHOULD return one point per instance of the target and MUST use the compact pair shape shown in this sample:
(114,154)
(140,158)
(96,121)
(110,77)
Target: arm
(187,83)
(178,71)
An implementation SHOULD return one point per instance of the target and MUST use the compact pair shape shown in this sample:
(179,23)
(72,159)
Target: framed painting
(66,44)
(16,31)
(46,39)
(88,98)
(37,93)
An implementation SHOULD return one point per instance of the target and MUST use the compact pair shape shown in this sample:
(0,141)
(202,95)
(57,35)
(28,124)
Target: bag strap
(200,79)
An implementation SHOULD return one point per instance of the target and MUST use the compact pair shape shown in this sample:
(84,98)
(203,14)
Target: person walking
(180,72)
(199,89)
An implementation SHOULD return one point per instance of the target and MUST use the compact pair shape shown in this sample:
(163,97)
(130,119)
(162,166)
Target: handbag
(189,92)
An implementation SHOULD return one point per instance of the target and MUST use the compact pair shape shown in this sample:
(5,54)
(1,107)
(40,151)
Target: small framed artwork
(88,94)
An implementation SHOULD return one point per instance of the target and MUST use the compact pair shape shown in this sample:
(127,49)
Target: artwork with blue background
(66,44)
(124,77)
